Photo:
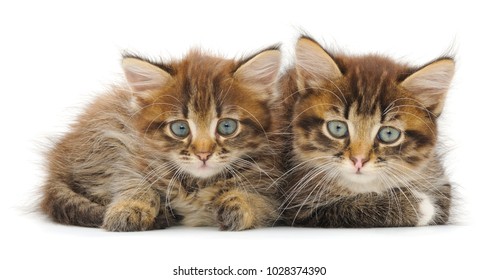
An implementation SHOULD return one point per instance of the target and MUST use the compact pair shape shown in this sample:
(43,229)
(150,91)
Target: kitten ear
(260,71)
(143,76)
(313,63)
(431,83)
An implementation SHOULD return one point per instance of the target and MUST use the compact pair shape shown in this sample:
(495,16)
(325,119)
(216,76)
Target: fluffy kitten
(363,146)
(186,142)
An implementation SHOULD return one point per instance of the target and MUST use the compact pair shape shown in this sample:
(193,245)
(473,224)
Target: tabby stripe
(310,122)
(419,138)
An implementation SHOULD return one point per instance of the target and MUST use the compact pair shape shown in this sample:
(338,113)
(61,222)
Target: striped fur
(397,184)
(121,167)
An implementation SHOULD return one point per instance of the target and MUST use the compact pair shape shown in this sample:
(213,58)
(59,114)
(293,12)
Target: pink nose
(358,161)
(203,156)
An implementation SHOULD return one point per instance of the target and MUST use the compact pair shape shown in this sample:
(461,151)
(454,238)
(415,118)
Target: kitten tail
(65,206)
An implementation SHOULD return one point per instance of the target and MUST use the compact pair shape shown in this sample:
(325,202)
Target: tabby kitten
(363,146)
(186,142)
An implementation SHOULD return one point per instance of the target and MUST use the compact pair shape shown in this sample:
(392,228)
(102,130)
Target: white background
(54,56)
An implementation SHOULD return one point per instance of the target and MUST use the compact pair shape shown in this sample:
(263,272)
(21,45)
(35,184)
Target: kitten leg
(400,207)
(427,209)
(441,198)
(390,209)
(240,210)
(165,217)
(132,211)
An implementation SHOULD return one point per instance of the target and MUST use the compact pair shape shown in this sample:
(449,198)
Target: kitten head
(205,114)
(368,121)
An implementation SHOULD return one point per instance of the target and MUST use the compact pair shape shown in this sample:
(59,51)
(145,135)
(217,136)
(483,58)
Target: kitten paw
(129,216)
(235,214)
(426,211)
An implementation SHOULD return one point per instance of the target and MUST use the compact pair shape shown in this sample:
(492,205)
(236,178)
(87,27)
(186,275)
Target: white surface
(54,56)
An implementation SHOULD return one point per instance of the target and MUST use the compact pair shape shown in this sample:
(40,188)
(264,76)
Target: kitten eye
(338,129)
(388,134)
(180,128)
(227,127)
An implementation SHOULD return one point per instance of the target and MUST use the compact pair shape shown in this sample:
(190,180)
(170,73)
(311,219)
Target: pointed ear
(142,76)
(261,71)
(314,64)
(431,83)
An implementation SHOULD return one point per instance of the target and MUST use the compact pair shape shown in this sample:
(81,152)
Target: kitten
(363,146)
(186,142)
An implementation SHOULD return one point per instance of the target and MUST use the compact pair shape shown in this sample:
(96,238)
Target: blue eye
(180,128)
(227,127)
(388,134)
(338,129)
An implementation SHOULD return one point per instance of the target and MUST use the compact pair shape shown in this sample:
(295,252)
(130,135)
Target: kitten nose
(203,156)
(359,161)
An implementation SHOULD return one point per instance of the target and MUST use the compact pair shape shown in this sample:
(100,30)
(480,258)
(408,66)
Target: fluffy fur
(123,168)
(357,180)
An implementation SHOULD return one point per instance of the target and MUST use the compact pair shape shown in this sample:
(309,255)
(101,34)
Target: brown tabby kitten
(186,142)
(362,151)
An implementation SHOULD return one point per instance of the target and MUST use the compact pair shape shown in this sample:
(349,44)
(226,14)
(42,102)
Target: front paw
(129,216)
(426,209)
(234,213)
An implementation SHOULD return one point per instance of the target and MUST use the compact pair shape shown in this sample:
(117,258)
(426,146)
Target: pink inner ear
(262,70)
(143,76)
(138,82)
(313,62)
(431,83)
